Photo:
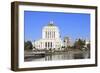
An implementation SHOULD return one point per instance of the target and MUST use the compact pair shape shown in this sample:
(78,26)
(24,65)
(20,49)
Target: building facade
(50,38)
(66,41)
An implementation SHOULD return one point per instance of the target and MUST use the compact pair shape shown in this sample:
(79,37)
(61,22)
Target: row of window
(50,34)
(48,44)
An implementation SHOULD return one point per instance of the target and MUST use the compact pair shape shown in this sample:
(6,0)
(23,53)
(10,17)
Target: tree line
(78,44)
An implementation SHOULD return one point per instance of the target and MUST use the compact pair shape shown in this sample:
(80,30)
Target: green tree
(79,44)
(28,45)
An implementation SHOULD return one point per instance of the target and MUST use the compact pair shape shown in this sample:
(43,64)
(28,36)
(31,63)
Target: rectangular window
(51,44)
(48,44)
(45,44)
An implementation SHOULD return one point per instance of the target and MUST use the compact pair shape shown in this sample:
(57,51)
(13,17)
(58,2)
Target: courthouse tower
(50,38)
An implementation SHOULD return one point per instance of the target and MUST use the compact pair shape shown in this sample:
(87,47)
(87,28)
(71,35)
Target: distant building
(87,42)
(67,42)
(50,38)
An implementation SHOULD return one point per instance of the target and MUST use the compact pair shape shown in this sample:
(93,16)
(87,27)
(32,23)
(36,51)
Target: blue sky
(73,25)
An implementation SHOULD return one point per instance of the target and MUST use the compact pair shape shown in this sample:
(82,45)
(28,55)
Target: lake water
(62,56)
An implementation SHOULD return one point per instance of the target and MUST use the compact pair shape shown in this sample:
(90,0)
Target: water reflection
(61,56)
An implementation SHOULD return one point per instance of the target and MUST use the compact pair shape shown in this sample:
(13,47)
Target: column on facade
(45,34)
(52,34)
(43,45)
(48,34)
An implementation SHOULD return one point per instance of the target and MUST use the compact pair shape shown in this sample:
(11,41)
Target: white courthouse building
(50,38)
